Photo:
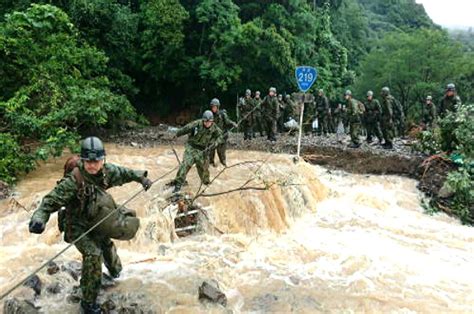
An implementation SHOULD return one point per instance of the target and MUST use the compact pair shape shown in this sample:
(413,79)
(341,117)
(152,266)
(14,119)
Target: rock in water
(15,306)
(54,288)
(34,283)
(211,292)
(53,268)
(73,268)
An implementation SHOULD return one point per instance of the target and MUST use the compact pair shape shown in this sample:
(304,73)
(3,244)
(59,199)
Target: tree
(414,65)
(54,84)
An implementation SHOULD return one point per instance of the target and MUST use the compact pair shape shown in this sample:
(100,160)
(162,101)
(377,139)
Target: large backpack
(122,224)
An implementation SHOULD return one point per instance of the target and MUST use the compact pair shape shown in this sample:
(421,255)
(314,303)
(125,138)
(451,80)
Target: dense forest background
(68,66)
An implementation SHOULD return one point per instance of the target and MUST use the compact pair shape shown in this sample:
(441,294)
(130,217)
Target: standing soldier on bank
(222,120)
(372,117)
(322,112)
(429,112)
(339,118)
(292,109)
(398,115)
(270,111)
(355,112)
(259,122)
(203,136)
(82,193)
(246,109)
(388,103)
(282,113)
(450,101)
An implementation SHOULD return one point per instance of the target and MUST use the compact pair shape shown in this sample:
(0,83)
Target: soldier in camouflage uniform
(292,109)
(79,192)
(429,112)
(322,112)
(339,118)
(259,122)
(270,111)
(450,101)
(203,136)
(246,109)
(398,116)
(222,120)
(355,110)
(372,117)
(282,113)
(387,104)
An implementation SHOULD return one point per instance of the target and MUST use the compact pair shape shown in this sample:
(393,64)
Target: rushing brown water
(316,241)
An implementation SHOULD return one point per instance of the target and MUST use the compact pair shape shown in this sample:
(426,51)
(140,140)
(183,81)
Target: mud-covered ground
(371,158)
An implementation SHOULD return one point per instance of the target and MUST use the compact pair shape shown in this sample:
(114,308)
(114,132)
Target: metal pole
(301,127)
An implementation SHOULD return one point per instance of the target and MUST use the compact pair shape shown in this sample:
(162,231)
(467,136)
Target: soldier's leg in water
(91,268)
(186,164)
(202,166)
(111,258)
(221,151)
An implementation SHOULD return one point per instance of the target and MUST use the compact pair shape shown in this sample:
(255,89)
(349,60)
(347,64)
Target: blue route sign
(305,77)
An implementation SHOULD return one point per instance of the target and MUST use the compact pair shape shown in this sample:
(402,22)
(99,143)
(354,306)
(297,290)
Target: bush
(455,135)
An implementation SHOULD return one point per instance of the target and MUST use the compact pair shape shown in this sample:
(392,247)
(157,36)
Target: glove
(36,227)
(146,183)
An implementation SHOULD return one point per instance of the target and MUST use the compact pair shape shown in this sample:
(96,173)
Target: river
(315,241)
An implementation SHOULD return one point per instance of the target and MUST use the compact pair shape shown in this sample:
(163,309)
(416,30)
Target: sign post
(305,78)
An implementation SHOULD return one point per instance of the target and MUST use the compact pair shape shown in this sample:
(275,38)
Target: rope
(110,214)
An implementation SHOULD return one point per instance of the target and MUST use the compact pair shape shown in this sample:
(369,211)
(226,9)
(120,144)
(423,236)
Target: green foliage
(12,160)
(414,65)
(54,85)
(455,133)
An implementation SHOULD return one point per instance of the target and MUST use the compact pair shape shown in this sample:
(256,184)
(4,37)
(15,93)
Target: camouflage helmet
(385,90)
(429,97)
(280,96)
(208,116)
(348,93)
(370,93)
(451,87)
(215,102)
(287,96)
(320,91)
(248,92)
(92,148)
(257,93)
(272,89)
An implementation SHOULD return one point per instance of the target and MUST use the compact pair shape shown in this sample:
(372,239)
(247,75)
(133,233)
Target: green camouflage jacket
(373,110)
(449,104)
(66,193)
(270,107)
(200,137)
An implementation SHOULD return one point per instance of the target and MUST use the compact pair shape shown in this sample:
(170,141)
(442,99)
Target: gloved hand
(36,227)
(146,183)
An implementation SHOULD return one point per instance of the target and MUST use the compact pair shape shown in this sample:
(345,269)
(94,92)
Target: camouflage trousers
(355,131)
(373,129)
(192,156)
(221,150)
(322,124)
(271,128)
(95,250)
(387,131)
(258,124)
(247,125)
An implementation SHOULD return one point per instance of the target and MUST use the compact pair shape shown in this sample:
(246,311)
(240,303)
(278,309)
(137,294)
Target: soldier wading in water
(82,192)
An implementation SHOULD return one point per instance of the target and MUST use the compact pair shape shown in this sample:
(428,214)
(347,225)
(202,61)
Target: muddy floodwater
(315,241)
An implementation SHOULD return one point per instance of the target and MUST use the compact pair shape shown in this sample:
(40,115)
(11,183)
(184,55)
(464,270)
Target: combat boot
(90,308)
